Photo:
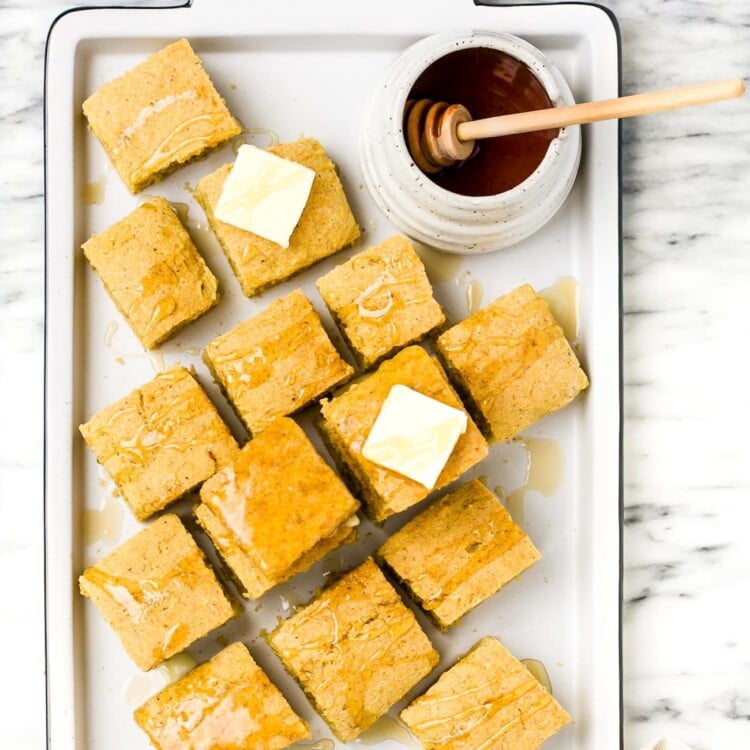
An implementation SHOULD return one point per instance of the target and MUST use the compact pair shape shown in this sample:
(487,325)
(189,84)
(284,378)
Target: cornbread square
(227,702)
(157,593)
(458,552)
(487,699)
(355,650)
(347,418)
(152,272)
(326,226)
(160,441)
(512,363)
(264,533)
(381,299)
(158,116)
(277,362)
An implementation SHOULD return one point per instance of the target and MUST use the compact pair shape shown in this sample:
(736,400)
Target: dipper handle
(607,109)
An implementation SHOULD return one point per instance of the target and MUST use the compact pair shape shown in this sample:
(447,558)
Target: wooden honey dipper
(439,134)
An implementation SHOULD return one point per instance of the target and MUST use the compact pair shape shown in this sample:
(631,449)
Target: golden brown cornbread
(512,363)
(160,441)
(157,593)
(277,509)
(347,418)
(152,272)
(458,552)
(161,114)
(277,362)
(486,700)
(355,650)
(228,702)
(325,227)
(381,299)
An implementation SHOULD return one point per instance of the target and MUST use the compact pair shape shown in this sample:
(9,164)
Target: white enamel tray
(308,67)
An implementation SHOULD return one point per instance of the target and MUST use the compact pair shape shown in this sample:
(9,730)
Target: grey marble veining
(686,224)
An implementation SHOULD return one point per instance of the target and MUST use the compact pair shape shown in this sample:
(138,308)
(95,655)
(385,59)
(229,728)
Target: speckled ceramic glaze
(427,212)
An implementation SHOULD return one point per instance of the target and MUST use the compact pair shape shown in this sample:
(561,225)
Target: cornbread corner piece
(160,441)
(355,650)
(153,272)
(326,225)
(277,509)
(458,552)
(276,363)
(347,418)
(512,363)
(157,592)
(381,300)
(228,699)
(510,709)
(158,116)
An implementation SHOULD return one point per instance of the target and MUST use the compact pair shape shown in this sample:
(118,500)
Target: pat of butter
(264,194)
(414,435)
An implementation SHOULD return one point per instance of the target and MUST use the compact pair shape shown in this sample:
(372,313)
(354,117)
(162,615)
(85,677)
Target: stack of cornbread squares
(275,506)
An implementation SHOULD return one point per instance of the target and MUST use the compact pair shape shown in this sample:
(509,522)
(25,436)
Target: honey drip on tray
(539,671)
(93,192)
(388,729)
(441,267)
(543,474)
(103,524)
(324,744)
(562,298)
(156,358)
(140,687)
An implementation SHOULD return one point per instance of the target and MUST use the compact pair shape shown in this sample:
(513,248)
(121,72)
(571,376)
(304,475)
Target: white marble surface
(686,281)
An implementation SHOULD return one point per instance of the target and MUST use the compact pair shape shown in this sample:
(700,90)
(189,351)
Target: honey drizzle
(492,544)
(250,366)
(151,109)
(158,428)
(162,153)
(393,628)
(138,596)
(376,312)
(485,711)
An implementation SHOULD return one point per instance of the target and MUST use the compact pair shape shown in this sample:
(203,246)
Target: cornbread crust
(487,699)
(355,650)
(158,116)
(512,363)
(160,441)
(458,552)
(157,592)
(277,509)
(277,362)
(326,226)
(347,418)
(381,300)
(153,272)
(227,701)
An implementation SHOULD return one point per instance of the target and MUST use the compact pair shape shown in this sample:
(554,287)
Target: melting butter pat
(414,435)
(264,194)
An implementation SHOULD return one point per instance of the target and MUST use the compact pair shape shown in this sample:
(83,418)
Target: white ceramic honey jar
(434,215)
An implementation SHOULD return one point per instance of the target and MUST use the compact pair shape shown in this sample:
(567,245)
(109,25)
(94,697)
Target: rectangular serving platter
(308,68)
